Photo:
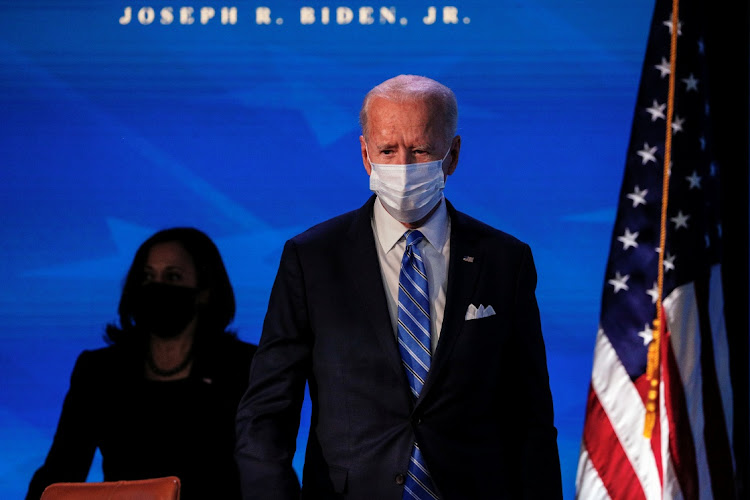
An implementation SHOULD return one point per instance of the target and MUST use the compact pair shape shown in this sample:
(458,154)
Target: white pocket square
(474,312)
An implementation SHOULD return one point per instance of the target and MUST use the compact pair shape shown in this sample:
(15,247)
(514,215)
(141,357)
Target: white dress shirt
(435,250)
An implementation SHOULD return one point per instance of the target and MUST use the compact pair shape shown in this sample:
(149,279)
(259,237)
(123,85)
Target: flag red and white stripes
(664,255)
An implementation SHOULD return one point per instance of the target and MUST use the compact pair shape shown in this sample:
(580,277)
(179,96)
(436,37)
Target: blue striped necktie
(414,345)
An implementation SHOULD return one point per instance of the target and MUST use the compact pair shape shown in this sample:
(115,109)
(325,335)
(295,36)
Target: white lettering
(344,15)
(229,15)
(430,17)
(166,15)
(307,15)
(262,15)
(387,15)
(207,13)
(186,15)
(365,15)
(450,15)
(146,15)
(127,15)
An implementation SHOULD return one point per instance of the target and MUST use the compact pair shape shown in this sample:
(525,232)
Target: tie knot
(412,237)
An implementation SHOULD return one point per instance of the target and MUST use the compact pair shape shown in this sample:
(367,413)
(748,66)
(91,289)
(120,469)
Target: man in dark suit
(417,330)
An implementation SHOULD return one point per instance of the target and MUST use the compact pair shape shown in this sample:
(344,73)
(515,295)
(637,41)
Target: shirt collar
(390,231)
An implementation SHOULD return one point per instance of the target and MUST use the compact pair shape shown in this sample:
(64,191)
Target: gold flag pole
(654,348)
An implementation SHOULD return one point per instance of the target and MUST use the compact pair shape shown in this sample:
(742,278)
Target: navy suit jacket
(484,418)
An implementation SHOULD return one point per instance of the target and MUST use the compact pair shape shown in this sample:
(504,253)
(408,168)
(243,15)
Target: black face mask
(164,310)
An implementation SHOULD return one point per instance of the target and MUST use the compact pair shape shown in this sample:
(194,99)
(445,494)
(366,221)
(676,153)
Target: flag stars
(669,262)
(677,124)
(647,334)
(647,154)
(680,220)
(628,239)
(657,111)
(668,23)
(653,292)
(638,196)
(691,83)
(664,67)
(694,179)
(620,282)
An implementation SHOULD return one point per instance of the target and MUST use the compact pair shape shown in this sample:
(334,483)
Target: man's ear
(455,150)
(365,160)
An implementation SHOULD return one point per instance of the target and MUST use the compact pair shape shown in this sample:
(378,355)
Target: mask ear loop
(444,156)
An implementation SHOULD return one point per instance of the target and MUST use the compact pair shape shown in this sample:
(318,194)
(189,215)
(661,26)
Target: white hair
(414,87)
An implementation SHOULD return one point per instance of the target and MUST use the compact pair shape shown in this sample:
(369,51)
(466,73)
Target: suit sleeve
(72,451)
(540,467)
(269,413)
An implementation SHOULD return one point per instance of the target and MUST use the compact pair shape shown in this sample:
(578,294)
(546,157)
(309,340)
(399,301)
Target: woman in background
(161,399)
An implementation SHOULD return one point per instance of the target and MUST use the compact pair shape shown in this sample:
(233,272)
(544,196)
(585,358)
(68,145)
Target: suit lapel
(363,269)
(464,268)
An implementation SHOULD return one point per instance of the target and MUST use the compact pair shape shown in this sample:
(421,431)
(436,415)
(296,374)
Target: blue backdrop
(119,119)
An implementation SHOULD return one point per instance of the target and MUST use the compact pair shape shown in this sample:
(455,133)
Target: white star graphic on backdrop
(664,67)
(257,266)
(691,83)
(669,262)
(638,196)
(677,124)
(680,220)
(620,282)
(656,110)
(647,154)
(329,118)
(628,239)
(694,180)
(647,334)
(653,292)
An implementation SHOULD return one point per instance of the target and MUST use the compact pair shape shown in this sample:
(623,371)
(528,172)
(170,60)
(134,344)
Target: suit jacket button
(400,479)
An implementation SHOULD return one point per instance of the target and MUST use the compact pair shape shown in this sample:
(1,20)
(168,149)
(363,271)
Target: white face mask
(408,192)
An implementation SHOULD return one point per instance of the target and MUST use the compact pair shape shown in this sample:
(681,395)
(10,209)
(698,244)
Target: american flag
(677,377)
